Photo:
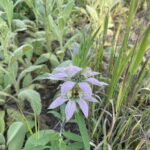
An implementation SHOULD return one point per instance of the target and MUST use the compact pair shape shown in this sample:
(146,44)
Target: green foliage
(48,57)
(2,121)
(112,37)
(2,142)
(16,135)
(41,139)
(119,64)
(83,130)
(34,99)
(7,6)
(83,55)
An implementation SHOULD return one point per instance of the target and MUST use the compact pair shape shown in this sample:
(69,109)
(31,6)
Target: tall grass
(118,121)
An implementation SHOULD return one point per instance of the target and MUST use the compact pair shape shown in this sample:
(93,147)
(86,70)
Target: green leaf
(2,139)
(73,136)
(54,145)
(41,138)
(92,12)
(15,135)
(83,130)
(27,80)
(70,41)
(17,2)
(38,147)
(7,5)
(65,63)
(34,99)
(42,77)
(30,3)
(2,142)
(48,57)
(68,9)
(75,146)
(56,114)
(61,23)
(18,25)
(19,52)
(28,70)
(2,101)
(7,80)
(56,30)
(120,62)
(38,44)
(62,145)
(140,51)
(2,121)
(13,72)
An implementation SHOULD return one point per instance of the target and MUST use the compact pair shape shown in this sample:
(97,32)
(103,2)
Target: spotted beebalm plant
(76,89)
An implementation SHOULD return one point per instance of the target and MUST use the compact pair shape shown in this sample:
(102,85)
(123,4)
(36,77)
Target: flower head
(75,90)
(75,98)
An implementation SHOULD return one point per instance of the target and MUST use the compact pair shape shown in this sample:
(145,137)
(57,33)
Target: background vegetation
(112,37)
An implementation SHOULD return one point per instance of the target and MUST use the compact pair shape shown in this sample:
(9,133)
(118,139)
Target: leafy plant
(53,50)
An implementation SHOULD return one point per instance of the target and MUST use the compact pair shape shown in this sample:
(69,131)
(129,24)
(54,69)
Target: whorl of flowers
(76,89)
